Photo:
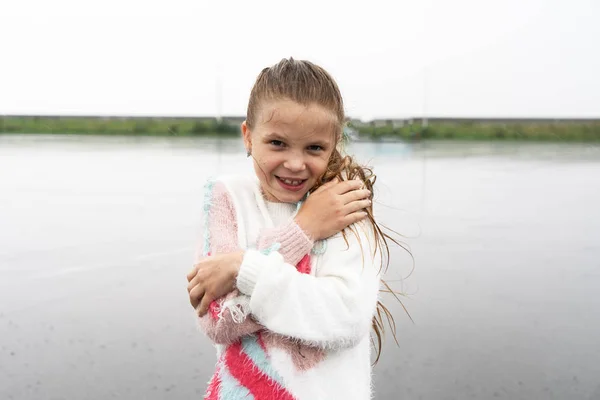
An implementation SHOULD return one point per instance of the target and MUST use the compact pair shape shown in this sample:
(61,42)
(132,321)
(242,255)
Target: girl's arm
(333,309)
(220,325)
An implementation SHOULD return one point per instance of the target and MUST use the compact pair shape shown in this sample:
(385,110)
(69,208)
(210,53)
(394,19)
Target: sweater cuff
(295,243)
(249,271)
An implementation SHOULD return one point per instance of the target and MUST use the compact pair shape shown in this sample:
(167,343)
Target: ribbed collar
(280,212)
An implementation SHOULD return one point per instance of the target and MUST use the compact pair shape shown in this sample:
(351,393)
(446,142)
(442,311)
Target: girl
(290,289)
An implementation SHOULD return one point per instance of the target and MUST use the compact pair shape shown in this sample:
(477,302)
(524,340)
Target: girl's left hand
(212,278)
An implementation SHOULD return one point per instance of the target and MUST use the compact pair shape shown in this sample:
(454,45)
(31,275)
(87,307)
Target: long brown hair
(307,83)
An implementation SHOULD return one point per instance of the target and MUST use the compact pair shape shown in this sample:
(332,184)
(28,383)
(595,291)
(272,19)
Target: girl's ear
(246,136)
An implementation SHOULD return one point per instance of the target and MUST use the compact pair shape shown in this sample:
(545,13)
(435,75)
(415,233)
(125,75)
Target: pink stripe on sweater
(214,386)
(252,378)
(304,265)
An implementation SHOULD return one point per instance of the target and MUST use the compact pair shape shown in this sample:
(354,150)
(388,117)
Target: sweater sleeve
(293,242)
(219,235)
(334,308)
(227,319)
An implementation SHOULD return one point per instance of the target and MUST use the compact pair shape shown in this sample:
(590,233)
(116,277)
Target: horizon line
(348,118)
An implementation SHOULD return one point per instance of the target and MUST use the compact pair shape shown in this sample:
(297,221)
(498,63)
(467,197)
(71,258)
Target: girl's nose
(295,164)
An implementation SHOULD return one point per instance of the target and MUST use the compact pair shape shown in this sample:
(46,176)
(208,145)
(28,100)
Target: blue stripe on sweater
(255,352)
(231,388)
(208,194)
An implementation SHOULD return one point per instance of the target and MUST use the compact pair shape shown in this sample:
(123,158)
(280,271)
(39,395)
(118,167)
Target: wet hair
(306,83)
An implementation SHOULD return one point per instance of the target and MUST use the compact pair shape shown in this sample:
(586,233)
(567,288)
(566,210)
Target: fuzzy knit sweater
(297,326)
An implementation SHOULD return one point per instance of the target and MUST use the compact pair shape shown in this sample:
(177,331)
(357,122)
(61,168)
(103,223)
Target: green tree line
(473,130)
(116,126)
(565,130)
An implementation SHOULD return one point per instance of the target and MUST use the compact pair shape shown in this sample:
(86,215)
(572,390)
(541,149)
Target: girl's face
(290,145)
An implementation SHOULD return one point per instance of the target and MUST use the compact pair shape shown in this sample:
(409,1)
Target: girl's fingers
(195,281)
(347,186)
(355,217)
(196,295)
(192,273)
(355,195)
(327,185)
(192,284)
(204,304)
(355,206)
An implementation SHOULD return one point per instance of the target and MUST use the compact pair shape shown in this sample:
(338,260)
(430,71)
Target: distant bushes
(475,130)
(117,126)
(576,130)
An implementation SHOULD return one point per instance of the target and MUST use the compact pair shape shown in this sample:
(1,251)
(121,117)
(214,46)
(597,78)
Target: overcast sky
(464,58)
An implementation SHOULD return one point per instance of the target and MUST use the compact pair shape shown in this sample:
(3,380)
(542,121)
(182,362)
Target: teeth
(290,182)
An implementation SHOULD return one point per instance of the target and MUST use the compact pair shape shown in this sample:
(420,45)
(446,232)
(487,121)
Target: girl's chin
(291,197)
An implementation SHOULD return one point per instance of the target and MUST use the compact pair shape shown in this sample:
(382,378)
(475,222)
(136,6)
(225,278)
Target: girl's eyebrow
(323,142)
(275,136)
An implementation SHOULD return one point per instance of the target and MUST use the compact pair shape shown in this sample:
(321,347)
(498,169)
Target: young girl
(288,280)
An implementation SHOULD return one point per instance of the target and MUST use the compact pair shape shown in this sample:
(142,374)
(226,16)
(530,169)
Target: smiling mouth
(291,184)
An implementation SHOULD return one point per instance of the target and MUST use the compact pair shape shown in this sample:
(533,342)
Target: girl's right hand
(333,207)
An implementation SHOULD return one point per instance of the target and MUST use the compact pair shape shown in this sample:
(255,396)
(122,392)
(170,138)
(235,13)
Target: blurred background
(482,120)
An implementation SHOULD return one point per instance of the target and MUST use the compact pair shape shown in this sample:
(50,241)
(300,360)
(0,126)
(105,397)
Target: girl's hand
(212,278)
(333,207)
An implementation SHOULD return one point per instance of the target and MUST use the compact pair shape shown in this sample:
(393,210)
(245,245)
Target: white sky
(482,58)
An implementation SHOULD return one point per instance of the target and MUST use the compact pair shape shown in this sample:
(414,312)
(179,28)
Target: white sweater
(292,331)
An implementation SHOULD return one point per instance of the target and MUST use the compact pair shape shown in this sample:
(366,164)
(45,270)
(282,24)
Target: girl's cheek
(319,166)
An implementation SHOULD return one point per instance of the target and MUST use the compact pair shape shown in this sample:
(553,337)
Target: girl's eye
(315,147)
(277,143)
